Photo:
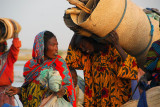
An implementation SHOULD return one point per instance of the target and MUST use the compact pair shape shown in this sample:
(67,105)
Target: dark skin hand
(61,92)
(15,35)
(16,90)
(114,39)
(12,91)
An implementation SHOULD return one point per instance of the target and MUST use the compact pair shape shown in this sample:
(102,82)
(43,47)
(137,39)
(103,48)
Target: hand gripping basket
(7,28)
(131,23)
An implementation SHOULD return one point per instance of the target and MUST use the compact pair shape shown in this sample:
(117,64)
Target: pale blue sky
(35,16)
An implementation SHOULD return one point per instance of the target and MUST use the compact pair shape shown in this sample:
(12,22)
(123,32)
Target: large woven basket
(134,29)
(132,103)
(7,28)
(153,98)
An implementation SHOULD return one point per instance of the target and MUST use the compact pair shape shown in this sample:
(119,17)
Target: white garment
(79,96)
(52,79)
(53,101)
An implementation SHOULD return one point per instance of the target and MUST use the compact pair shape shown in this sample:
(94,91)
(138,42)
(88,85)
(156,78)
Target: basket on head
(134,29)
(74,27)
(7,28)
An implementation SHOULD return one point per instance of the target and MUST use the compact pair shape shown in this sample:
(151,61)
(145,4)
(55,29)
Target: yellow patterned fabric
(33,94)
(107,77)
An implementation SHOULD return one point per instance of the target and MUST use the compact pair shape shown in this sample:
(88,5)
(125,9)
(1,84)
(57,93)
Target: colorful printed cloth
(152,64)
(155,16)
(32,91)
(107,78)
(151,13)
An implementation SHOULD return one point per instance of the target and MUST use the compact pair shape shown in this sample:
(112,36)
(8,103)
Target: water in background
(18,77)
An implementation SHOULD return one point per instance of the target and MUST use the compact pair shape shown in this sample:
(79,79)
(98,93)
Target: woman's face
(86,47)
(52,48)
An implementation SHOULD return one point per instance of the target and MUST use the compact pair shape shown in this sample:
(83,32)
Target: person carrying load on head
(108,70)
(7,60)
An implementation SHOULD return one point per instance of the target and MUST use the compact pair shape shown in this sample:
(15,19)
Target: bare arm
(114,39)
(15,35)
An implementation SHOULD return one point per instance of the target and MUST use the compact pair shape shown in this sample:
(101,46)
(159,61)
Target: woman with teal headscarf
(44,56)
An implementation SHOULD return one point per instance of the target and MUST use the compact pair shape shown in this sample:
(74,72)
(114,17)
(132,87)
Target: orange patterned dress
(107,77)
